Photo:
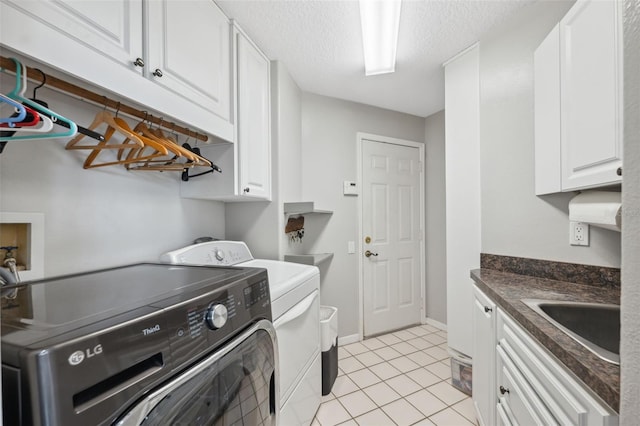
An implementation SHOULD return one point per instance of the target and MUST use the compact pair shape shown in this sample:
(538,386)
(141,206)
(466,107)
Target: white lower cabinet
(484,355)
(522,381)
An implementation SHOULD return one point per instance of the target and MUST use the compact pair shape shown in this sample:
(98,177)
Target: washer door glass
(233,388)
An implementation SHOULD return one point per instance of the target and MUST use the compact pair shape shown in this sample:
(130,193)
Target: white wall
(514,221)
(630,300)
(329,128)
(100,217)
(261,224)
(436,238)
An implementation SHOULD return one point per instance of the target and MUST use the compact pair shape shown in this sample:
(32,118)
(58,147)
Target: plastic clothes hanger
(84,131)
(31,118)
(20,111)
(33,122)
(16,95)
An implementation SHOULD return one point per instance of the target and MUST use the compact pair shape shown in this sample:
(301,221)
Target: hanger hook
(44,81)
(118,108)
(161,121)
(146,114)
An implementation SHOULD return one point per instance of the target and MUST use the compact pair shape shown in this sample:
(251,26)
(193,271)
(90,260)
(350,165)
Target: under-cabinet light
(380,21)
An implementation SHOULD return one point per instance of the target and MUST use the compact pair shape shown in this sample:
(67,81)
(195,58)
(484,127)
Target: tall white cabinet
(578,100)
(462,152)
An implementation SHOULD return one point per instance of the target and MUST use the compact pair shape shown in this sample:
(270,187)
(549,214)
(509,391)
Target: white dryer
(295,304)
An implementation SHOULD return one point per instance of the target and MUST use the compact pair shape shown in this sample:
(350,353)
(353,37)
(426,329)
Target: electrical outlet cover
(578,234)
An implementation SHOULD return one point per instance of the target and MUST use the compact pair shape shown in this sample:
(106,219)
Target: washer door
(235,385)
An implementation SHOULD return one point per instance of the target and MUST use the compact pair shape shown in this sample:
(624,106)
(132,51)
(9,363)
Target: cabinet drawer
(563,396)
(519,401)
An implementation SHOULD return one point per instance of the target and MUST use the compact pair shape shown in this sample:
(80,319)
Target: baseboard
(345,340)
(434,323)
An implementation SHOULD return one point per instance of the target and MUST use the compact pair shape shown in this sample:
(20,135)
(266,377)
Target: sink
(596,326)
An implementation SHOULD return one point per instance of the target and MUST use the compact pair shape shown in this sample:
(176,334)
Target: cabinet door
(254,119)
(90,38)
(484,349)
(189,52)
(591,82)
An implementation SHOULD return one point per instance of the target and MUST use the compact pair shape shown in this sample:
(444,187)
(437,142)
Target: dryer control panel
(216,253)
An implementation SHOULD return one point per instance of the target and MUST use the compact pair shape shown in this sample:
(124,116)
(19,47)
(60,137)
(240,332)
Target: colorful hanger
(17,93)
(20,110)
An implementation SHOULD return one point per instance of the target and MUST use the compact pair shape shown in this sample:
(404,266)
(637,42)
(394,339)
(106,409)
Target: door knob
(139,62)
(157,72)
(369,253)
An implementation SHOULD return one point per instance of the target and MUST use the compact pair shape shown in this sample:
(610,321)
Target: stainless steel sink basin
(596,326)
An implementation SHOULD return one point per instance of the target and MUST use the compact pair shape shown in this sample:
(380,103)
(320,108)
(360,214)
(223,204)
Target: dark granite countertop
(507,289)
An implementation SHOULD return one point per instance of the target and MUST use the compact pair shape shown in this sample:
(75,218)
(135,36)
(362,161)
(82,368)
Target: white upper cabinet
(119,45)
(591,93)
(254,118)
(246,164)
(109,33)
(578,100)
(192,64)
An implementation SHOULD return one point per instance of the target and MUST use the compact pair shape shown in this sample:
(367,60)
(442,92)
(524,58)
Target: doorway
(392,261)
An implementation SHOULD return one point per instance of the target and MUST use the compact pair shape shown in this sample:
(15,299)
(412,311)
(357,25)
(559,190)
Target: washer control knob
(216,316)
(219,254)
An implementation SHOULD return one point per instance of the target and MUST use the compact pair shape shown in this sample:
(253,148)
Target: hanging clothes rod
(70,88)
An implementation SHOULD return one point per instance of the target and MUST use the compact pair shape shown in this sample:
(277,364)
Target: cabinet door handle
(488,309)
(139,62)
(157,72)
(246,190)
(619,171)
(503,390)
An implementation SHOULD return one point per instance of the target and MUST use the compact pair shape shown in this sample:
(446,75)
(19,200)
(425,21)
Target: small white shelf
(308,259)
(305,207)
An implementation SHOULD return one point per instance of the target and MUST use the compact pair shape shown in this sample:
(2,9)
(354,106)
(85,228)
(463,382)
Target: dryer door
(234,385)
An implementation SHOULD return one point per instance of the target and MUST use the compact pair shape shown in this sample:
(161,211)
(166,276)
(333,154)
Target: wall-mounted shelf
(305,207)
(308,259)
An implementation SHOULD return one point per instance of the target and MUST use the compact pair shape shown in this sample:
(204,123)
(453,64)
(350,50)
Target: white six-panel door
(391,215)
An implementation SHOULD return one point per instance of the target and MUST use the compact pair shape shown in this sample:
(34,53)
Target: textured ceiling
(320,43)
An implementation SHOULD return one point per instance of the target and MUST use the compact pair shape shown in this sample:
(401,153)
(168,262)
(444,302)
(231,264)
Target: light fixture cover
(380,21)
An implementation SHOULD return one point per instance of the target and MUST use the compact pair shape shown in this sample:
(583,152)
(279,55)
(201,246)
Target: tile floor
(400,378)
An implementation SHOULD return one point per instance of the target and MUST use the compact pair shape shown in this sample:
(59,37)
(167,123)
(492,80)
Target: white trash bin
(329,346)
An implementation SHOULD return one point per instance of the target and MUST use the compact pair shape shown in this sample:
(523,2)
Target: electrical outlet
(578,234)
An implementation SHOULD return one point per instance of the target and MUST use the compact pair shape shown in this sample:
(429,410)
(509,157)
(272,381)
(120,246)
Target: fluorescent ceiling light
(380,20)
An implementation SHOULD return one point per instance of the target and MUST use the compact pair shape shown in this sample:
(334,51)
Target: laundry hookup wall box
(25,231)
